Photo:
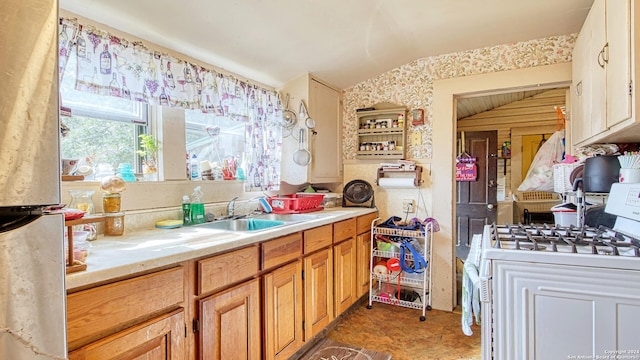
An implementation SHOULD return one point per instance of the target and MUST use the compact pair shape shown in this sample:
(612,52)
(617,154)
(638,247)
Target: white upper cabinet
(618,56)
(602,103)
(324,140)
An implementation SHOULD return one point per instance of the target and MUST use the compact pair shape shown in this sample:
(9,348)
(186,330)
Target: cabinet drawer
(161,337)
(220,271)
(96,312)
(317,238)
(344,230)
(363,223)
(281,250)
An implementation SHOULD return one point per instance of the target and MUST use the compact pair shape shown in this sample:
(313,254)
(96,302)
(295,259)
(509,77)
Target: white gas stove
(554,292)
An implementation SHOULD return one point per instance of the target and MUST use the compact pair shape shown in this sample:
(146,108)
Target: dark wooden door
(476,201)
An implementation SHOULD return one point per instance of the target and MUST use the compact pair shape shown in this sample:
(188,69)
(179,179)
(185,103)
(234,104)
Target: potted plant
(149,151)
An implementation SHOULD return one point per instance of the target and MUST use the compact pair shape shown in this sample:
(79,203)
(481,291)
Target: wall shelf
(381,132)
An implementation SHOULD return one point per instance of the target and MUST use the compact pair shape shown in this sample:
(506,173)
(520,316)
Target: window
(103,130)
(214,138)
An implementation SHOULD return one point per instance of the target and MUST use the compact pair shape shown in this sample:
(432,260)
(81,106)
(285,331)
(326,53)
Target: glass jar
(111,203)
(114,224)
(82,200)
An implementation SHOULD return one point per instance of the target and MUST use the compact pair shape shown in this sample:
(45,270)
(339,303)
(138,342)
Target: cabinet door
(283,311)
(618,23)
(597,115)
(326,143)
(230,324)
(538,305)
(364,263)
(580,89)
(344,280)
(318,292)
(159,338)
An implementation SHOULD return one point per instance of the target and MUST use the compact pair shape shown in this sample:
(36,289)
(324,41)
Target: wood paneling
(539,109)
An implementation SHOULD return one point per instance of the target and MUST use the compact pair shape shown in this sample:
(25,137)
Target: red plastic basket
(296,203)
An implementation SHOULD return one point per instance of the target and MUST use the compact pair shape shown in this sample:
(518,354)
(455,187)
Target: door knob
(492,183)
(490,206)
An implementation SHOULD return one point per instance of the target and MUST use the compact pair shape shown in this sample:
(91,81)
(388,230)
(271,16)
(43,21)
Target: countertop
(112,257)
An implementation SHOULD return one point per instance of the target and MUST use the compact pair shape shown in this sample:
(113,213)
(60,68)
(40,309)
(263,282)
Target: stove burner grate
(567,239)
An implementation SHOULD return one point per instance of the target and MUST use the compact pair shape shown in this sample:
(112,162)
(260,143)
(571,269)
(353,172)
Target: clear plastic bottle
(195,168)
(186,210)
(197,207)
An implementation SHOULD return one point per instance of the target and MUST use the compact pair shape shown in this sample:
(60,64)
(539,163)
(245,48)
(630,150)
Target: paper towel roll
(396,183)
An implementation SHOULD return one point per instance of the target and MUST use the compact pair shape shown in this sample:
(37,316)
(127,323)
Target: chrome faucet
(231,206)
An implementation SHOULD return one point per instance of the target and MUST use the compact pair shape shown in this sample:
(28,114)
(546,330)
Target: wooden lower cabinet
(159,338)
(318,292)
(344,267)
(283,331)
(230,323)
(363,245)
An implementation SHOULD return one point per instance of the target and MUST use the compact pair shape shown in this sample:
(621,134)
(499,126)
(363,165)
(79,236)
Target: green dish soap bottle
(186,210)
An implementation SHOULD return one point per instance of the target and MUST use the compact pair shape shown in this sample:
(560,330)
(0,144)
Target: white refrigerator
(32,269)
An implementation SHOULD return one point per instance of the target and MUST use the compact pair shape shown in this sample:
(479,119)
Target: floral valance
(113,66)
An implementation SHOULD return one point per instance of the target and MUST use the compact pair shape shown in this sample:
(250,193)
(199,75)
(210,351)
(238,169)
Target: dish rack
(395,286)
(296,203)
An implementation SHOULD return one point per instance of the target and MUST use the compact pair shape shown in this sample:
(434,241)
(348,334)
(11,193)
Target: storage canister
(114,224)
(600,172)
(111,203)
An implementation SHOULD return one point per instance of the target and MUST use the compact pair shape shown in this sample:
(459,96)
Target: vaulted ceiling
(343,42)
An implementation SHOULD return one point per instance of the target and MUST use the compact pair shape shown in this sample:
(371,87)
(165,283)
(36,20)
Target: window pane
(102,141)
(214,138)
(87,103)
(102,129)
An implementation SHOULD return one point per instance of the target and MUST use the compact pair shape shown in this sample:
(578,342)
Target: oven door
(486,308)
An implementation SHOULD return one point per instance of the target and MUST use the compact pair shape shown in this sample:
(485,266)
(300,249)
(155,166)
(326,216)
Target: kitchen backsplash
(412,84)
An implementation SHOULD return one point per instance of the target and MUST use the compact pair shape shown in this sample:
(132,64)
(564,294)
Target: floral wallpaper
(411,85)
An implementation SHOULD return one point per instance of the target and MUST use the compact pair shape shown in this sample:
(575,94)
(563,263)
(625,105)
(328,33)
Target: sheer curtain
(113,66)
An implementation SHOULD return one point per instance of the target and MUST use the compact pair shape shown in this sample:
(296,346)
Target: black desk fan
(358,193)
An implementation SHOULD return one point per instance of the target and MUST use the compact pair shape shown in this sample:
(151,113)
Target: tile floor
(398,331)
